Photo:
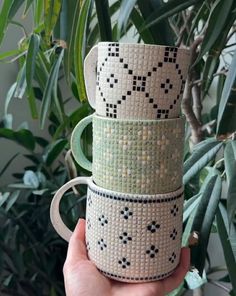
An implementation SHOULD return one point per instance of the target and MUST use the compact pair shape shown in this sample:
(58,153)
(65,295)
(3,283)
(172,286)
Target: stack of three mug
(135,194)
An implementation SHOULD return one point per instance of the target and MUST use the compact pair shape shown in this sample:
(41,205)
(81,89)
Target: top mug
(136,81)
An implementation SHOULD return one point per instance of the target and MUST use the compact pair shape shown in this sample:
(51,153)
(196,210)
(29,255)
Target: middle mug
(133,156)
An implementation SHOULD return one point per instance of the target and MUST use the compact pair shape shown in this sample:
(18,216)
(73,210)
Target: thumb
(77,249)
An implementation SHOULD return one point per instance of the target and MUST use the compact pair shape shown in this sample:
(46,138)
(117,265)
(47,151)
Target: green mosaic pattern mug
(133,156)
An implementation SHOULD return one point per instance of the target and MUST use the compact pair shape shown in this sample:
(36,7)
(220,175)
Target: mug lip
(125,120)
(92,185)
(187,50)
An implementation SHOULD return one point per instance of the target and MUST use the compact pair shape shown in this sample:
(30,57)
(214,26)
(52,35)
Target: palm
(82,277)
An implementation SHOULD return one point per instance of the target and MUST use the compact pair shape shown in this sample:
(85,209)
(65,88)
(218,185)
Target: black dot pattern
(103,221)
(102,245)
(173,234)
(174,211)
(152,251)
(124,263)
(153,227)
(172,257)
(126,213)
(125,238)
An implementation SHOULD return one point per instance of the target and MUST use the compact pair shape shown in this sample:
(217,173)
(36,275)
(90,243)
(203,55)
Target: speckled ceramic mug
(133,156)
(136,81)
(129,237)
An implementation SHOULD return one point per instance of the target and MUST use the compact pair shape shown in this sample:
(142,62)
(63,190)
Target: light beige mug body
(136,81)
(129,237)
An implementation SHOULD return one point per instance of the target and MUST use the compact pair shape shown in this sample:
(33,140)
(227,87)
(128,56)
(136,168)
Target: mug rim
(187,50)
(125,120)
(107,192)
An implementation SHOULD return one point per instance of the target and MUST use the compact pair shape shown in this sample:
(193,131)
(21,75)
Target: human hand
(83,279)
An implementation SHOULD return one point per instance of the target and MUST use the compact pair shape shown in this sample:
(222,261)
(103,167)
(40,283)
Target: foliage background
(49,56)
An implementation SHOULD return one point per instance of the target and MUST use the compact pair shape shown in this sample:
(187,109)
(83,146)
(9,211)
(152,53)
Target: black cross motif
(167,86)
(88,223)
(139,83)
(89,200)
(111,110)
(102,244)
(125,238)
(172,257)
(88,245)
(113,50)
(174,210)
(173,234)
(103,220)
(170,54)
(124,263)
(112,80)
(152,251)
(152,227)
(126,213)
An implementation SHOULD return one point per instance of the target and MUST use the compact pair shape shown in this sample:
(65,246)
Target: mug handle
(55,216)
(75,143)
(90,75)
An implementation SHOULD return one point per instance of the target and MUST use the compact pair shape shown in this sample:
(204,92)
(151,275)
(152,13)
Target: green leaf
(79,47)
(50,87)
(4,15)
(23,137)
(203,220)
(202,154)
(104,20)
(16,5)
(194,280)
(229,82)
(54,150)
(9,53)
(12,199)
(4,197)
(5,167)
(9,96)
(30,70)
(230,168)
(190,205)
(219,15)
(51,14)
(223,230)
(126,8)
(168,9)
(138,20)
(21,83)
(188,228)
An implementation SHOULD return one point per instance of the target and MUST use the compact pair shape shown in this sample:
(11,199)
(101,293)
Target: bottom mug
(129,237)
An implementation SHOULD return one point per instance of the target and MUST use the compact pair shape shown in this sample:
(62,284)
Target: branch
(187,106)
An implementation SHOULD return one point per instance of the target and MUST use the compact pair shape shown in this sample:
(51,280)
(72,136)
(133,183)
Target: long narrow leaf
(30,70)
(170,8)
(203,220)
(5,167)
(79,48)
(4,15)
(200,157)
(51,14)
(126,8)
(223,230)
(230,168)
(104,20)
(231,76)
(48,93)
(219,15)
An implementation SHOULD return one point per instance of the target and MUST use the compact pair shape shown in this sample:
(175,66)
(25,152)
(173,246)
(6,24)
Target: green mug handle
(75,143)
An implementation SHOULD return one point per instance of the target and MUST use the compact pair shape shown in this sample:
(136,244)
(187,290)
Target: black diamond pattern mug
(136,81)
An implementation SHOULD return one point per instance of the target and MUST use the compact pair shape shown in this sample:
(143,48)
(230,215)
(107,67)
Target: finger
(77,249)
(176,278)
